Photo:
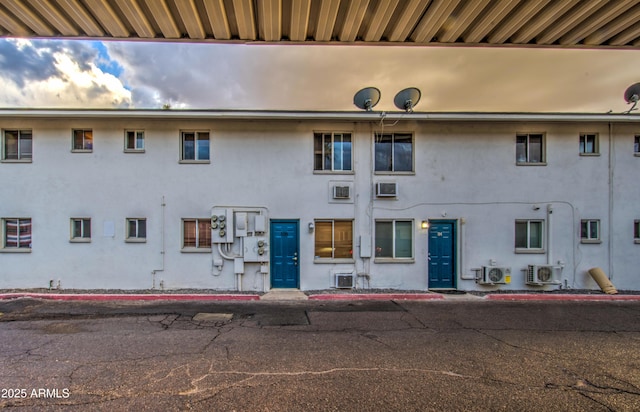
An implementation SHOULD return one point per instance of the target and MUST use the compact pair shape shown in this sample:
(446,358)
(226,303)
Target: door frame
(456,251)
(272,266)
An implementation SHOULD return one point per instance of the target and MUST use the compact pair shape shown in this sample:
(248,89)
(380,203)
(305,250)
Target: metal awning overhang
(337,116)
(521,23)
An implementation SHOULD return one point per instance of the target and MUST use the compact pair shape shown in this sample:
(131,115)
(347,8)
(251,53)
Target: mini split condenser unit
(492,275)
(344,280)
(386,189)
(541,275)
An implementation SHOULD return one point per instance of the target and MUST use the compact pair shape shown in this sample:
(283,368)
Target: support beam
(327,19)
(491,19)
(596,21)
(82,18)
(136,18)
(218,19)
(163,17)
(542,21)
(300,10)
(28,17)
(107,18)
(189,15)
(409,18)
(270,20)
(437,13)
(462,21)
(380,20)
(245,19)
(512,23)
(353,20)
(569,21)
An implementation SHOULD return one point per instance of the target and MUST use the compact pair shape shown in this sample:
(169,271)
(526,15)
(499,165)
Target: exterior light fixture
(311,227)
(424,224)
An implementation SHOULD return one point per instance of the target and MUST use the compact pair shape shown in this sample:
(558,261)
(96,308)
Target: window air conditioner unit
(344,280)
(492,275)
(541,275)
(386,189)
(341,192)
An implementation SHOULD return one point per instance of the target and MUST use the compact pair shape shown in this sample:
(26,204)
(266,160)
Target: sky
(148,75)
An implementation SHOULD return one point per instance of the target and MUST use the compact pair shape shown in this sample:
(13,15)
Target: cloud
(76,73)
(44,73)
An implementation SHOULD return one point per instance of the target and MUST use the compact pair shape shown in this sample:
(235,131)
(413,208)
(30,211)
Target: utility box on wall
(256,249)
(222,225)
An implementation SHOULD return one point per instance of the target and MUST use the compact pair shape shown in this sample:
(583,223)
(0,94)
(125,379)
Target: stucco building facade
(254,200)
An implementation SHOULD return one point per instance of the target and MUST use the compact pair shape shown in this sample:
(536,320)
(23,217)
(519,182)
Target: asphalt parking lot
(320,355)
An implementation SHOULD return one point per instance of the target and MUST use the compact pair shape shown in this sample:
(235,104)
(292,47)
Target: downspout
(549,237)
(162,250)
(610,217)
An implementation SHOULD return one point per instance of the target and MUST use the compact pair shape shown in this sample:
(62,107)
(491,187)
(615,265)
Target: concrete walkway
(296,295)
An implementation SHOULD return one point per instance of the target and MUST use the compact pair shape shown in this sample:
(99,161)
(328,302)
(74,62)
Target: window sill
(136,240)
(531,163)
(195,162)
(134,150)
(333,172)
(394,260)
(196,250)
(636,241)
(387,173)
(329,260)
(530,251)
(16,250)
(16,161)
(80,240)
(637,154)
(81,151)
(590,154)
(590,241)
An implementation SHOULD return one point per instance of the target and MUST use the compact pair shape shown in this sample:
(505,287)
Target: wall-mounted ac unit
(341,192)
(386,189)
(541,275)
(345,280)
(492,275)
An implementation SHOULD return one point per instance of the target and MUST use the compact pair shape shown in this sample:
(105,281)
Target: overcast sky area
(143,75)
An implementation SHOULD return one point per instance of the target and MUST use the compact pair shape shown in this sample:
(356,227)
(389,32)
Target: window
(332,152)
(636,145)
(80,229)
(530,149)
(196,234)
(589,144)
(136,230)
(334,239)
(134,141)
(16,234)
(636,231)
(529,234)
(590,231)
(394,239)
(393,152)
(195,146)
(17,145)
(82,140)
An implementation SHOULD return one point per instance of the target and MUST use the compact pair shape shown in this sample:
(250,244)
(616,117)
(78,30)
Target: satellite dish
(632,95)
(407,99)
(367,98)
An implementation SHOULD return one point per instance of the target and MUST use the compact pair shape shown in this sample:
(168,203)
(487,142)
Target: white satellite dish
(407,99)
(632,95)
(367,98)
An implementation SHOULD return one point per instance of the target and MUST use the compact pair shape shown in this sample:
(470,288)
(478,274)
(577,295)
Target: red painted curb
(377,296)
(565,297)
(126,297)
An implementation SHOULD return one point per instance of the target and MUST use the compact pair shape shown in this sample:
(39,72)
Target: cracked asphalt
(320,356)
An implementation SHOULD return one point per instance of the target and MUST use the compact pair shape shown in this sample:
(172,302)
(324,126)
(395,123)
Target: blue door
(442,254)
(284,245)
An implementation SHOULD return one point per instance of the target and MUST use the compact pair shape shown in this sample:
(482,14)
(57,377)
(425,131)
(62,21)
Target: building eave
(292,115)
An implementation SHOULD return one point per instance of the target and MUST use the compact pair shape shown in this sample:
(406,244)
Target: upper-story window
(636,145)
(17,145)
(530,148)
(393,152)
(194,146)
(588,144)
(82,140)
(134,141)
(332,152)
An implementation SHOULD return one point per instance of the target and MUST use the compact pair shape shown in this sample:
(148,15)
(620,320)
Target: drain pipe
(549,237)
(610,230)
(162,242)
